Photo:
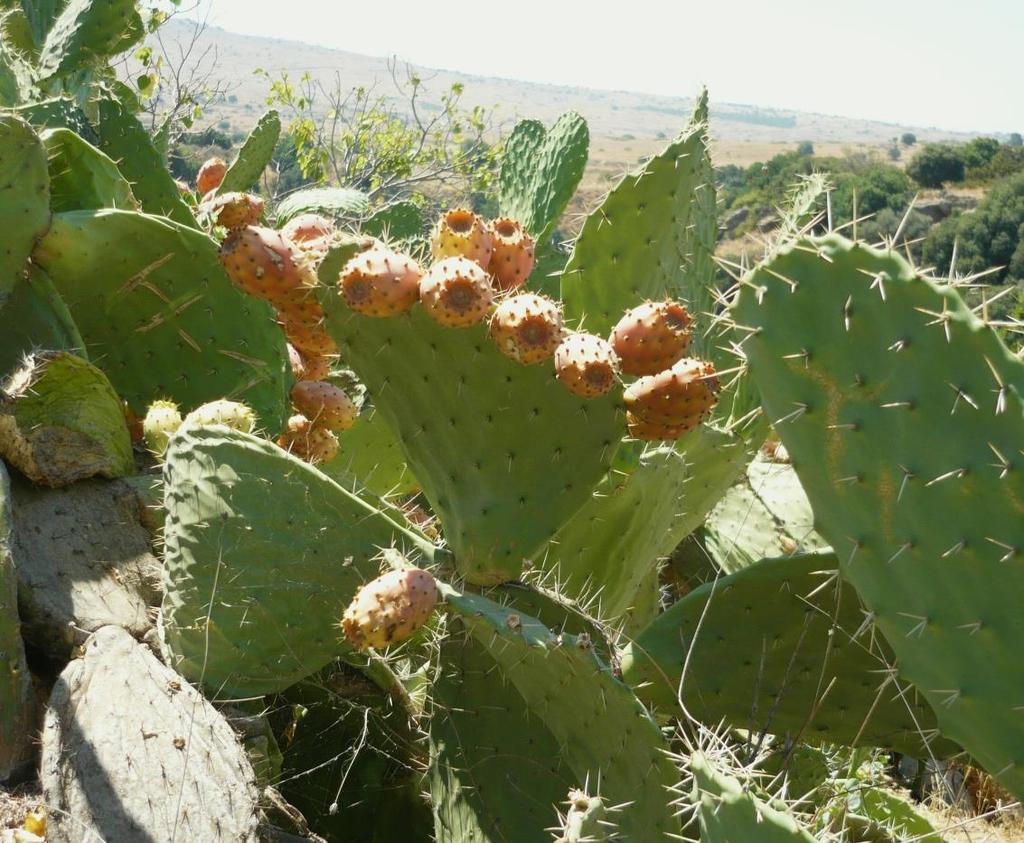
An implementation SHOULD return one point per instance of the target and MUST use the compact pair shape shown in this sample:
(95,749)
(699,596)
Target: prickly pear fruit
(211,174)
(456,292)
(462,233)
(264,264)
(233,414)
(651,337)
(679,396)
(586,364)
(527,327)
(512,257)
(380,282)
(235,210)
(306,228)
(308,441)
(316,367)
(389,609)
(654,432)
(310,340)
(162,419)
(324,404)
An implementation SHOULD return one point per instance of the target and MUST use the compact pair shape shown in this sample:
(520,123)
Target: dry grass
(16,803)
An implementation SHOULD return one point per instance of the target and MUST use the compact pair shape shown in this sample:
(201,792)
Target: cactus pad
(254,156)
(730,810)
(160,316)
(24,197)
(653,236)
(61,421)
(479,430)
(252,609)
(787,628)
(540,171)
(81,176)
(904,417)
(603,732)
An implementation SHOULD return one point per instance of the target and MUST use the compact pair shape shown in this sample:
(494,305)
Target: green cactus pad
(730,811)
(369,454)
(398,223)
(504,453)
(587,820)
(786,629)
(57,113)
(24,198)
(337,202)
(608,548)
(766,514)
(904,417)
(82,177)
(262,555)
(605,735)
(540,171)
(159,315)
(496,771)
(35,317)
(87,31)
(653,236)
(122,137)
(16,704)
(61,421)
(254,156)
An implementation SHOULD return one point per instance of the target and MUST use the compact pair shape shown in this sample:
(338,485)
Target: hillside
(617,115)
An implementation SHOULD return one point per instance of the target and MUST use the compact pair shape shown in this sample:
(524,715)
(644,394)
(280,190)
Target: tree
(388,145)
(1016,139)
(805,148)
(936,164)
(979,152)
(894,152)
(989,237)
(908,139)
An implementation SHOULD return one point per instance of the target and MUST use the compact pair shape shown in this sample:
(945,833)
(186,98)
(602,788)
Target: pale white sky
(954,64)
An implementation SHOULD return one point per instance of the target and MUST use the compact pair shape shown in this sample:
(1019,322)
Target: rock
(935,209)
(733,220)
(83,561)
(769,222)
(17,701)
(132,752)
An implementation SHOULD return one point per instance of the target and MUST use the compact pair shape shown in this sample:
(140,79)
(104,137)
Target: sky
(952,64)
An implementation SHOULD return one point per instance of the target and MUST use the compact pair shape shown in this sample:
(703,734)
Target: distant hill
(613,114)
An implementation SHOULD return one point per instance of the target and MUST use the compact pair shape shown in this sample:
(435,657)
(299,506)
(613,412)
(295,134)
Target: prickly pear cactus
(253,157)
(604,733)
(61,421)
(81,176)
(35,317)
(171,734)
(800,661)
(87,31)
(122,137)
(24,197)
(540,171)
(154,305)
(478,431)
(904,417)
(653,236)
(730,812)
(251,611)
